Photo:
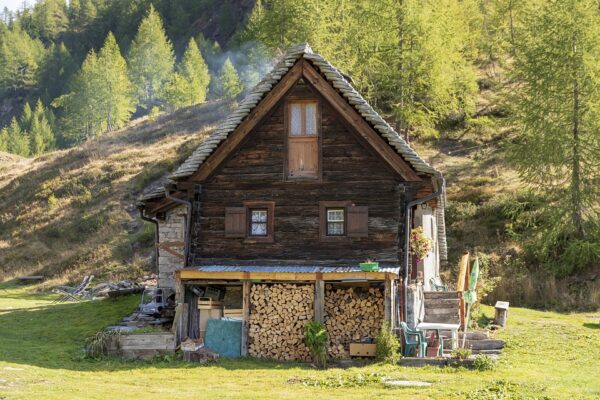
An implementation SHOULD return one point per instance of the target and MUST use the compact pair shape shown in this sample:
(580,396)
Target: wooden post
(319,306)
(387,296)
(246,286)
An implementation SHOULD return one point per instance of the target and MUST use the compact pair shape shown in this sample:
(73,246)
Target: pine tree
(151,59)
(228,82)
(18,142)
(556,109)
(42,135)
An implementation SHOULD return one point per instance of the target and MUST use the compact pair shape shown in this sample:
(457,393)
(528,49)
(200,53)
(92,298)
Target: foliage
(558,75)
(20,58)
(420,244)
(190,84)
(228,82)
(461,354)
(151,59)
(483,362)
(388,346)
(315,336)
(345,381)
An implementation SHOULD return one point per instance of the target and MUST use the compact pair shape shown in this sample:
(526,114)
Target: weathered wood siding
(256,172)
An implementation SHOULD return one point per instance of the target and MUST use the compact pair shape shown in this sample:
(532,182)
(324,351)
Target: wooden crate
(142,345)
(363,349)
(209,309)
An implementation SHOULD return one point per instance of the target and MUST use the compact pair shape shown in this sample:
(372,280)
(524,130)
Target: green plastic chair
(411,343)
(437,287)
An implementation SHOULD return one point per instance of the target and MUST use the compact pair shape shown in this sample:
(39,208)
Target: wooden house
(273,213)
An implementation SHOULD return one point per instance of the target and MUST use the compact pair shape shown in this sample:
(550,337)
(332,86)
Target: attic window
(303,139)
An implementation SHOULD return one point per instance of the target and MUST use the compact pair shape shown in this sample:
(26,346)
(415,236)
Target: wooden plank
(246,287)
(319,307)
(356,120)
(387,295)
(258,113)
(462,273)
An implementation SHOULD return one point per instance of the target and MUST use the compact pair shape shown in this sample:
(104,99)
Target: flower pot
(369,266)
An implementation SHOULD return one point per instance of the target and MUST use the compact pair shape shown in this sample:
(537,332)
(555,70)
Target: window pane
(335,228)
(295,119)
(311,118)
(336,215)
(259,216)
(258,229)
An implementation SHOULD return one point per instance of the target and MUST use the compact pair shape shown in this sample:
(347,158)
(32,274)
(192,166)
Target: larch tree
(228,82)
(556,106)
(189,85)
(151,60)
(115,91)
(18,142)
(20,58)
(101,97)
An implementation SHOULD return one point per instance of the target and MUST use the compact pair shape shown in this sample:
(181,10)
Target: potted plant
(369,266)
(420,244)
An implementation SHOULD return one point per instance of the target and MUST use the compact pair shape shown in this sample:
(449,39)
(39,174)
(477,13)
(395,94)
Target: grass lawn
(549,355)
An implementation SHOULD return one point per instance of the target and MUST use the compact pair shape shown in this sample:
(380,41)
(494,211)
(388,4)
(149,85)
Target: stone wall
(171,229)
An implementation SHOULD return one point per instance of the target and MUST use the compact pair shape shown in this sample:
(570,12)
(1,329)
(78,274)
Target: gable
(301,62)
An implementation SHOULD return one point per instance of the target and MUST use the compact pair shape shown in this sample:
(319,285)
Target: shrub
(388,345)
(97,346)
(315,336)
(461,354)
(483,362)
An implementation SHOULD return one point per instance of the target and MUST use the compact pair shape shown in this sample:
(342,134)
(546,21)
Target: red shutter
(235,222)
(358,221)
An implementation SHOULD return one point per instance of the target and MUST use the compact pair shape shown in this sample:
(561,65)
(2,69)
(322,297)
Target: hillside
(73,212)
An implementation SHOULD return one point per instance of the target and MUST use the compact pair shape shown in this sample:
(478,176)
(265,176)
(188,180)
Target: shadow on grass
(53,336)
(591,325)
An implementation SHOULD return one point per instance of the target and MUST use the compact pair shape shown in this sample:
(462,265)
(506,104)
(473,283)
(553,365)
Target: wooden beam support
(246,286)
(387,297)
(284,276)
(319,307)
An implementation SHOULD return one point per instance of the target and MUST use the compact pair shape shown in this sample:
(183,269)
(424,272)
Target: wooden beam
(247,125)
(343,108)
(284,276)
(246,286)
(319,307)
(387,298)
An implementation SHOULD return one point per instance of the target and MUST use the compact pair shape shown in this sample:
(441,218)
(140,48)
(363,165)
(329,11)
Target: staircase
(443,307)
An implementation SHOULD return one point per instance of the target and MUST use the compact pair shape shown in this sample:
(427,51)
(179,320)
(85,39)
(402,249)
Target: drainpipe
(186,240)
(155,222)
(407,225)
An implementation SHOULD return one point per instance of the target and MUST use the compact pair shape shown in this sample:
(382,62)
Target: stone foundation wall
(172,229)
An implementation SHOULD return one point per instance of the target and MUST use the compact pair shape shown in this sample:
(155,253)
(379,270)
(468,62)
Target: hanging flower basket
(420,244)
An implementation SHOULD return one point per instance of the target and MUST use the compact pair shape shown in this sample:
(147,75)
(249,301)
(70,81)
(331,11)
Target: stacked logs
(351,314)
(278,313)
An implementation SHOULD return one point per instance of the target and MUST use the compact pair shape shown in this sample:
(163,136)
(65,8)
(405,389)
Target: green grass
(549,355)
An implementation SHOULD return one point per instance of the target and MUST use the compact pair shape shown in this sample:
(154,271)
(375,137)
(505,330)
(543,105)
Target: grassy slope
(549,355)
(73,211)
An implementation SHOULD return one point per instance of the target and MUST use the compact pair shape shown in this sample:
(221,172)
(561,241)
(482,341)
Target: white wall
(429,267)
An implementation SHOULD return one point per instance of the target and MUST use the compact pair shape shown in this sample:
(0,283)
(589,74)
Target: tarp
(224,337)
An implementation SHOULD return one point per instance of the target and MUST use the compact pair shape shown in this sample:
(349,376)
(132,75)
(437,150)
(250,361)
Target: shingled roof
(338,81)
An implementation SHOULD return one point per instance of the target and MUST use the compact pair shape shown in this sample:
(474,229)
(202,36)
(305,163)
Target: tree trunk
(577,206)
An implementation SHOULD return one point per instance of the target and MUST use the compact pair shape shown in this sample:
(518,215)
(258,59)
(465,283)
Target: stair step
(441,295)
(442,303)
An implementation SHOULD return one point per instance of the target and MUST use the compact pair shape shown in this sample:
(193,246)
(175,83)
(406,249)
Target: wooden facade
(256,172)
(300,191)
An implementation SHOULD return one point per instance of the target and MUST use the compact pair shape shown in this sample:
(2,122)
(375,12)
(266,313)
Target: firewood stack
(278,313)
(351,314)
